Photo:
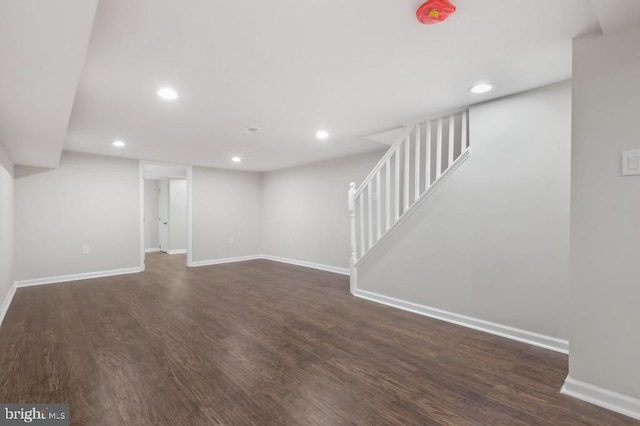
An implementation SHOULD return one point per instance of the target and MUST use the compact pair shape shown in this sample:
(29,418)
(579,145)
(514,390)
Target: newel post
(352,214)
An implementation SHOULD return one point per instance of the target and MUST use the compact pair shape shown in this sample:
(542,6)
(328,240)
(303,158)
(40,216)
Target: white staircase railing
(421,158)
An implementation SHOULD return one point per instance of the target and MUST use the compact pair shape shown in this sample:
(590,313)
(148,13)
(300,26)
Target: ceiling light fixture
(168,93)
(322,134)
(236,159)
(118,144)
(480,88)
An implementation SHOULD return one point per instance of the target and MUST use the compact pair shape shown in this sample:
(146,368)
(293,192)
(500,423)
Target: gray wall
(605,211)
(226,205)
(92,200)
(305,209)
(151,237)
(178,214)
(89,200)
(493,241)
(6,226)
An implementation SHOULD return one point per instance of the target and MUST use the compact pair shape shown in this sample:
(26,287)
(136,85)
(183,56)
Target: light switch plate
(631,163)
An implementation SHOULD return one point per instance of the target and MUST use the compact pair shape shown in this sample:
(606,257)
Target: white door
(163,214)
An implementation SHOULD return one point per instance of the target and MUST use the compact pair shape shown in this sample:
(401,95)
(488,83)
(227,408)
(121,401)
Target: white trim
(189,178)
(461,159)
(4,308)
(198,263)
(602,397)
(328,268)
(152,250)
(77,277)
(165,176)
(189,215)
(141,203)
(387,155)
(547,342)
(353,280)
(181,251)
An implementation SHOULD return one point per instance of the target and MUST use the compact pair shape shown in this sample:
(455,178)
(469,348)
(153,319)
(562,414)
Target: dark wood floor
(266,343)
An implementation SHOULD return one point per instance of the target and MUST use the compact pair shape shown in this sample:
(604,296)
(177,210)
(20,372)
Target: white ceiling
(354,68)
(617,15)
(387,137)
(42,48)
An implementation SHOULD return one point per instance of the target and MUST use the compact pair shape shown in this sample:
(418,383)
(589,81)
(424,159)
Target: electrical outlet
(232,241)
(86,250)
(290,241)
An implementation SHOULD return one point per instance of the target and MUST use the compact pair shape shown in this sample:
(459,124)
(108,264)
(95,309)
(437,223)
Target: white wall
(89,200)
(605,214)
(6,229)
(493,242)
(305,209)
(226,205)
(5,161)
(151,236)
(177,214)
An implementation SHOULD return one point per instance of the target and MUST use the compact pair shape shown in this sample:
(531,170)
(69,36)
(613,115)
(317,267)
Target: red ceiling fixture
(434,11)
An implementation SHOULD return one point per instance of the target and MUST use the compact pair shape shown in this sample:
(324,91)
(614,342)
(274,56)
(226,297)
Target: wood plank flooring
(260,342)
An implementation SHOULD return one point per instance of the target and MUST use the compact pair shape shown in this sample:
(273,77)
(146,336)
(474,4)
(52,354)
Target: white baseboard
(529,337)
(76,277)
(152,250)
(181,251)
(328,268)
(4,308)
(602,397)
(197,263)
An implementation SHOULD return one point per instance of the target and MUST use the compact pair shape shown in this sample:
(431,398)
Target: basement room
(417,212)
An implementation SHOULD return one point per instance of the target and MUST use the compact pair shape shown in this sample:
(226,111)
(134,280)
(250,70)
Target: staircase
(422,157)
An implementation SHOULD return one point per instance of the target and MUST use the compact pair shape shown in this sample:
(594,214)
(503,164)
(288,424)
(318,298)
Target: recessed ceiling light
(236,159)
(480,88)
(118,144)
(322,134)
(168,93)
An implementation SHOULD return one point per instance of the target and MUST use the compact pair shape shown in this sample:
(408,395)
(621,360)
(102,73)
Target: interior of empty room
(220,217)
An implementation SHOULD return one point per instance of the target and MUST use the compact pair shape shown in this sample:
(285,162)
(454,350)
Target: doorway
(165,210)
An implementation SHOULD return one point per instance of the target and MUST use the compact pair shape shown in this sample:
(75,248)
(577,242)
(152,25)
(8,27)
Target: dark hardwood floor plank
(265,343)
